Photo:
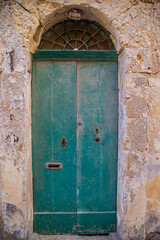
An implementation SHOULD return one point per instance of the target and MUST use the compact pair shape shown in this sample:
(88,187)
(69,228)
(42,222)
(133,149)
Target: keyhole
(97,130)
(63,142)
(97,139)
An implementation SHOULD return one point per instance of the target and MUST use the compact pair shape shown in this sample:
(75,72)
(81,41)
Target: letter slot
(54,165)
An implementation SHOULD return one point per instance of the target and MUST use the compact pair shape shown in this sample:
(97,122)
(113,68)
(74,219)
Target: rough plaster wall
(15,134)
(135,30)
(153,180)
(14,123)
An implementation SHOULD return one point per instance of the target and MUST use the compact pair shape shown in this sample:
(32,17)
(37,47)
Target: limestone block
(156,25)
(135,26)
(154,133)
(136,164)
(8,35)
(141,61)
(18,25)
(29,6)
(137,85)
(152,219)
(153,189)
(136,107)
(135,201)
(136,136)
(13,222)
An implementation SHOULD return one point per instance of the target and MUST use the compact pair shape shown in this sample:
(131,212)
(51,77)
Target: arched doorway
(75,130)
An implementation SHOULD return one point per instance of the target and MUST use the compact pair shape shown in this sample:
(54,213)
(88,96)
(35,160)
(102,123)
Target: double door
(74,146)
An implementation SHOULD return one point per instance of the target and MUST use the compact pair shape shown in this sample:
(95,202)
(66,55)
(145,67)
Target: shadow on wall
(13,218)
(153,236)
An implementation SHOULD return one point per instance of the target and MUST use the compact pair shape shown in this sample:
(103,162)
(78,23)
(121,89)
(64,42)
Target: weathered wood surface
(74,122)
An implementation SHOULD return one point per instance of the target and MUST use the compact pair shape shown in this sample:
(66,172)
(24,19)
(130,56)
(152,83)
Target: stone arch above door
(87,13)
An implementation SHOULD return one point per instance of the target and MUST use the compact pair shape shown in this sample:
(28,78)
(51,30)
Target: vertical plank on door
(97,145)
(54,117)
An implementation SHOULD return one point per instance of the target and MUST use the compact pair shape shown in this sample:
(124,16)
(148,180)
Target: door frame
(110,55)
(82,55)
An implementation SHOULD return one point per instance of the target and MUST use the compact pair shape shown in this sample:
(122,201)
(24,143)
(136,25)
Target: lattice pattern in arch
(76,35)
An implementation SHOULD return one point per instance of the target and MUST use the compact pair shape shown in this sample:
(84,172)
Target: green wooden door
(74,123)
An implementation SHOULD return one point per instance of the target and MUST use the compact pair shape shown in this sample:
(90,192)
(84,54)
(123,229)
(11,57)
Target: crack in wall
(120,14)
(22,6)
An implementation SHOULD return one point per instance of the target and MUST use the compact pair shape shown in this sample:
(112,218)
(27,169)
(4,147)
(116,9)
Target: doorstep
(111,236)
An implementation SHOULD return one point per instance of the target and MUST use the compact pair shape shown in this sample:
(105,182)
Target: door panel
(54,118)
(96,146)
(75,104)
(92,223)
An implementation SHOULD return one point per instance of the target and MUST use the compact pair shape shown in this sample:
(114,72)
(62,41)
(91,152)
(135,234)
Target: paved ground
(74,237)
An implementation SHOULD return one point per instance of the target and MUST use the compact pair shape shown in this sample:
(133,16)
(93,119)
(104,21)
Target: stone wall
(135,30)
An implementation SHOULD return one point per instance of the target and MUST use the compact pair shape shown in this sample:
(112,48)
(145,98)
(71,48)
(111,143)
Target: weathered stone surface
(135,30)
(137,135)
(142,61)
(137,35)
(13,221)
(135,107)
(74,237)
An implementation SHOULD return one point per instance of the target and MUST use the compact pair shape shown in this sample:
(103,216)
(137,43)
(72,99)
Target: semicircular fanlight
(76,35)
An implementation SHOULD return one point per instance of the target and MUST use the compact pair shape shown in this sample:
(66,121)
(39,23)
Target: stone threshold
(111,236)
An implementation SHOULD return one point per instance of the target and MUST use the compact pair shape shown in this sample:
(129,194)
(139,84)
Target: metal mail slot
(53,165)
